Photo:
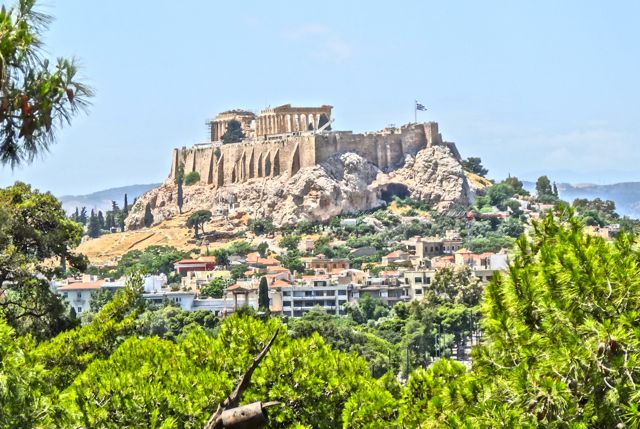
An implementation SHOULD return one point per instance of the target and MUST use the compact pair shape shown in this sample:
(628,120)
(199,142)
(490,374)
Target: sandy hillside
(107,249)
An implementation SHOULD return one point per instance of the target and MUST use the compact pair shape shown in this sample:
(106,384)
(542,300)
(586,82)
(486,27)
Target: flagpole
(415,111)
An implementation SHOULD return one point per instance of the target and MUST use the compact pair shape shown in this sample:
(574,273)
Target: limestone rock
(344,183)
(435,176)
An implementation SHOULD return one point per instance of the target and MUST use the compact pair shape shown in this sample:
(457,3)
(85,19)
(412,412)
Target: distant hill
(101,200)
(625,195)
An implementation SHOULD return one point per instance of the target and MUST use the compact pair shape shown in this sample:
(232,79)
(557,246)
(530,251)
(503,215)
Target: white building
(182,298)
(78,294)
(300,299)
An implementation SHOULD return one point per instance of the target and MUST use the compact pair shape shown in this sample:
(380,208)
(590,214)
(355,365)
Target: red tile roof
(395,254)
(82,286)
(279,283)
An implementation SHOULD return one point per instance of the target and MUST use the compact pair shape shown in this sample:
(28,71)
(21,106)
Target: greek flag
(420,107)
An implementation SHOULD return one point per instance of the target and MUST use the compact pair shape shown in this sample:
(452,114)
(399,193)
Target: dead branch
(216,421)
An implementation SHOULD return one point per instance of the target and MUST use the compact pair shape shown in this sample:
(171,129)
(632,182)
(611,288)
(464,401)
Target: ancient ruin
(282,140)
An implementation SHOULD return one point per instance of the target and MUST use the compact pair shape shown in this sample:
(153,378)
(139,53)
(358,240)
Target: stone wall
(221,165)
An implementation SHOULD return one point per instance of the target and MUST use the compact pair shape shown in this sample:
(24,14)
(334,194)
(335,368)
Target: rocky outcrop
(434,176)
(344,183)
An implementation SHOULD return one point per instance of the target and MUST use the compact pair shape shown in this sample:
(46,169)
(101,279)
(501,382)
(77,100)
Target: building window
(418,291)
(65,294)
(418,279)
(286,293)
(79,295)
(79,310)
(428,280)
(286,303)
(342,292)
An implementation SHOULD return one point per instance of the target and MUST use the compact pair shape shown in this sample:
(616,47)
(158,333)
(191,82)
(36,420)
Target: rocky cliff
(344,183)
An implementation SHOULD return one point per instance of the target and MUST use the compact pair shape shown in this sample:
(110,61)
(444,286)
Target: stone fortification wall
(221,165)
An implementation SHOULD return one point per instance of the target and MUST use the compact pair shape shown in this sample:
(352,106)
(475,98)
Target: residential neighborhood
(327,283)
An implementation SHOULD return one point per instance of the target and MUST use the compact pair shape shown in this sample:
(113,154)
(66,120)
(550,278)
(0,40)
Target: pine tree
(125,209)
(263,294)
(148,216)
(555,189)
(234,132)
(83,216)
(76,215)
(93,228)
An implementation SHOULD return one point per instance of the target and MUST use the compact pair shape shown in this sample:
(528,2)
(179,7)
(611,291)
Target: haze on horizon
(532,88)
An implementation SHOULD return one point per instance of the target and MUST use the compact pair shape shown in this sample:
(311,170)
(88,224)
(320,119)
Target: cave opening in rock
(394,189)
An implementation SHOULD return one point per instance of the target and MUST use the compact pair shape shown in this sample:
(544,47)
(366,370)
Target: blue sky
(545,87)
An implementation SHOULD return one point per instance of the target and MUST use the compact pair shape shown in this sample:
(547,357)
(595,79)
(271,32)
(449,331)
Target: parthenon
(271,121)
(286,119)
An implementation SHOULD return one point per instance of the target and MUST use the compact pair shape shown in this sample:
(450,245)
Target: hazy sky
(531,87)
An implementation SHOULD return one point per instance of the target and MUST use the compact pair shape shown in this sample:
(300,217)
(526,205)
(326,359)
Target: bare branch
(215,421)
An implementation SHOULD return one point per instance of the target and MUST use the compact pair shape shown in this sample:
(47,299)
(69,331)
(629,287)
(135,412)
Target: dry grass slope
(107,249)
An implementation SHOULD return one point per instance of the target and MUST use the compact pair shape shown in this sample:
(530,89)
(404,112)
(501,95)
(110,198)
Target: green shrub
(191,178)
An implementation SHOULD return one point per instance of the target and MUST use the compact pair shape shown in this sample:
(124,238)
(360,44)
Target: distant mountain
(101,200)
(626,195)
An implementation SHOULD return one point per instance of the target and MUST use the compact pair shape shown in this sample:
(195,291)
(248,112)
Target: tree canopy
(234,133)
(35,235)
(38,97)
(197,221)
(474,165)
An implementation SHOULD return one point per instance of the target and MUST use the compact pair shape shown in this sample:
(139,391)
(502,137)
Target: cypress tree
(148,216)
(101,219)
(179,181)
(125,209)
(263,294)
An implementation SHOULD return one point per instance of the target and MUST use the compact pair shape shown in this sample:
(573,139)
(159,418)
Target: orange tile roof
(237,286)
(82,285)
(394,254)
(277,269)
(280,283)
(252,257)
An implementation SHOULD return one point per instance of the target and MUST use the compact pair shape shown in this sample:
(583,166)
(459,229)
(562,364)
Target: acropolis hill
(284,139)
(291,166)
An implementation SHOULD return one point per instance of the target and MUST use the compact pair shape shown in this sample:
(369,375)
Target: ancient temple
(287,119)
(283,119)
